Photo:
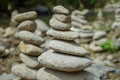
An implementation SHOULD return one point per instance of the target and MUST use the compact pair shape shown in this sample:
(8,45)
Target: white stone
(86,35)
(29,49)
(67,48)
(27,25)
(60,9)
(100,41)
(22,71)
(30,61)
(49,74)
(64,35)
(76,24)
(54,23)
(67,63)
(99,34)
(29,37)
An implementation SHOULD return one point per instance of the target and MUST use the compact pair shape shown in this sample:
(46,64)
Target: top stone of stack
(31,15)
(60,9)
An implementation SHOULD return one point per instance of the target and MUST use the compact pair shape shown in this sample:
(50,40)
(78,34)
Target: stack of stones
(63,60)
(29,46)
(116,24)
(81,25)
(98,39)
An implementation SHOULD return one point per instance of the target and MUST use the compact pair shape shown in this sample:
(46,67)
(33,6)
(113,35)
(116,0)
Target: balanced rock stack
(63,60)
(79,24)
(116,24)
(29,46)
(98,39)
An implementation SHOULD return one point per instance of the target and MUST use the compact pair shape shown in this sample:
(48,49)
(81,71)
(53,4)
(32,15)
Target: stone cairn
(29,46)
(81,25)
(63,60)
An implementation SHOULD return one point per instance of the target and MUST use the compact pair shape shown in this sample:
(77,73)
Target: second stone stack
(64,60)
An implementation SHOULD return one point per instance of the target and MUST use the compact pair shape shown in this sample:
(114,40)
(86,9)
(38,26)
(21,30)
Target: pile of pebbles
(64,60)
(80,25)
(29,46)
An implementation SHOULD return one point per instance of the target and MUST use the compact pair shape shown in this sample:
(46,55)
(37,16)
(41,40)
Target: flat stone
(83,40)
(79,20)
(100,70)
(29,49)
(86,35)
(54,23)
(24,72)
(100,41)
(63,62)
(29,37)
(99,34)
(67,48)
(60,9)
(115,25)
(30,61)
(31,15)
(76,24)
(27,25)
(62,17)
(95,48)
(63,35)
(41,25)
(49,74)
(77,12)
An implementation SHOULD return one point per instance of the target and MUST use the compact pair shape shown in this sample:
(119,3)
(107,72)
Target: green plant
(108,46)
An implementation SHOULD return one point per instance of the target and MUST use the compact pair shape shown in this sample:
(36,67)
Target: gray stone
(41,25)
(62,17)
(29,37)
(54,23)
(24,72)
(63,62)
(9,77)
(30,61)
(99,34)
(49,74)
(30,49)
(67,48)
(63,35)
(31,15)
(27,25)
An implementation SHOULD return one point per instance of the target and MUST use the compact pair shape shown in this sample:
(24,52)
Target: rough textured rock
(62,17)
(25,16)
(54,23)
(29,37)
(60,9)
(24,72)
(67,48)
(49,74)
(63,62)
(27,25)
(86,35)
(29,49)
(2,49)
(30,61)
(95,48)
(64,35)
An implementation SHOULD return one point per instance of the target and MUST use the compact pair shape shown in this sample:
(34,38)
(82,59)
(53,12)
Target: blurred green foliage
(75,4)
(108,46)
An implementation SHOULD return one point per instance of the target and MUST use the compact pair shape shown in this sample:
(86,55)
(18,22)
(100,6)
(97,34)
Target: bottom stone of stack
(50,74)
